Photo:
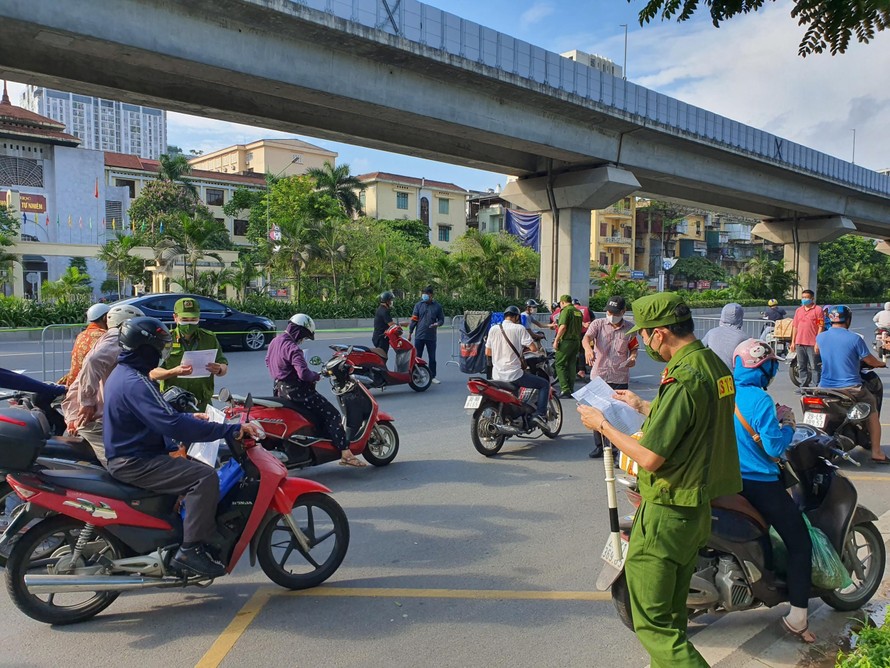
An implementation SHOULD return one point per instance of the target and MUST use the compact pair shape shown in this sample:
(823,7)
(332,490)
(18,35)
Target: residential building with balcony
(486,212)
(613,236)
(441,206)
(279,157)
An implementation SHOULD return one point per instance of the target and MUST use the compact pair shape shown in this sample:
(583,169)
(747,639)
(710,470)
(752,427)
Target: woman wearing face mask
(187,335)
(755,366)
(610,352)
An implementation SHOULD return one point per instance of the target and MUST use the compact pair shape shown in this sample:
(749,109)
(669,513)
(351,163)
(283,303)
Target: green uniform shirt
(572,319)
(690,424)
(202,388)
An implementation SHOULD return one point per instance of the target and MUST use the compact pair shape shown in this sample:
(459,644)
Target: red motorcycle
(502,409)
(294,439)
(96,537)
(370,363)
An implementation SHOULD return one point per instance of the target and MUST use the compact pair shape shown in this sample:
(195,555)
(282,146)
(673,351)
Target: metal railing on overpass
(431,27)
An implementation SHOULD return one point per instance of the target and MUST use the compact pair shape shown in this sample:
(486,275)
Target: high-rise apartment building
(104,125)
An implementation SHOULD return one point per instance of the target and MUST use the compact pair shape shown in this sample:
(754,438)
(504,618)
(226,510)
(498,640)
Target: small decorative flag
(132,225)
(91,222)
(24,219)
(80,222)
(69,220)
(96,193)
(162,227)
(47,219)
(114,223)
(58,223)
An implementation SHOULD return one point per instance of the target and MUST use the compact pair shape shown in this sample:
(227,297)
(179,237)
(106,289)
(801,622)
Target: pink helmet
(753,353)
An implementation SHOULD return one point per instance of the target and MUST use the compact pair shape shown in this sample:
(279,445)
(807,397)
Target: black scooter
(734,570)
(827,409)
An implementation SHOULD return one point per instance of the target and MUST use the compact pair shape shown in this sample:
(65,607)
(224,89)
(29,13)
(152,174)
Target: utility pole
(853,159)
(624,69)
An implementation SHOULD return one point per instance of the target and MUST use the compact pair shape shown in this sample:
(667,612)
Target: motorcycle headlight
(858,412)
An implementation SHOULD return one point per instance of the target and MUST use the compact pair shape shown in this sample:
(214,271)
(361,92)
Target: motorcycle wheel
(421,379)
(485,443)
(554,417)
(323,522)
(383,446)
(792,372)
(864,556)
(29,556)
(621,601)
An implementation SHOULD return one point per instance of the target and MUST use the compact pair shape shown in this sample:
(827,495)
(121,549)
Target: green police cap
(187,308)
(657,310)
(566,298)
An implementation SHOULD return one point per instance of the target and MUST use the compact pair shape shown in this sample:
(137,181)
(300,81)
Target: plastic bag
(829,571)
(208,451)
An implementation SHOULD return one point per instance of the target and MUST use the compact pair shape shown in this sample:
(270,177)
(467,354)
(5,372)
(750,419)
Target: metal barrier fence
(56,342)
(457,325)
(752,327)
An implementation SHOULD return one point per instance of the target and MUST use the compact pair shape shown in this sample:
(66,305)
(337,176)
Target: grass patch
(872,648)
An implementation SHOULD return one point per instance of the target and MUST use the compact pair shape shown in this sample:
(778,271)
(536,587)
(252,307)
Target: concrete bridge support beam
(565,202)
(802,238)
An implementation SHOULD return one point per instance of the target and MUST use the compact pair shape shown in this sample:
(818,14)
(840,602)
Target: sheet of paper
(199,359)
(208,452)
(598,394)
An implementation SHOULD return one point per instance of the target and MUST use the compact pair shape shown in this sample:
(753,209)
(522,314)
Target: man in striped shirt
(610,352)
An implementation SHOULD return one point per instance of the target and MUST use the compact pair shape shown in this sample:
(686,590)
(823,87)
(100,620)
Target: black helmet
(554,306)
(512,310)
(144,331)
(532,303)
(386,297)
(840,313)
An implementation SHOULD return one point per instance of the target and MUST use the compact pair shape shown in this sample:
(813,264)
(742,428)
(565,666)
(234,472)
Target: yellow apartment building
(280,157)
(441,206)
(613,235)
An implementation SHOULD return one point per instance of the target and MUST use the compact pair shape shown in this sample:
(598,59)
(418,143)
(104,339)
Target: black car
(232,328)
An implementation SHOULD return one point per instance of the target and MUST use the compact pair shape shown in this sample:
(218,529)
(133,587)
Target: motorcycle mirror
(858,412)
(224,395)
(248,403)
(315,361)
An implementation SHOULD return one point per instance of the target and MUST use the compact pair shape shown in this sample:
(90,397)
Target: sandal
(882,460)
(352,461)
(803,635)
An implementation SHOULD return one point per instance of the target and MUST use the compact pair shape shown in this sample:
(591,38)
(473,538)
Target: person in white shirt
(505,344)
(882,318)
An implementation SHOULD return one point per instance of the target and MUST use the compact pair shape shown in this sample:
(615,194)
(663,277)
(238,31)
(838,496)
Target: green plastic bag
(828,569)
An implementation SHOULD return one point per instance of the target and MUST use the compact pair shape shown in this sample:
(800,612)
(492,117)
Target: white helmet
(97,311)
(305,322)
(887,306)
(119,314)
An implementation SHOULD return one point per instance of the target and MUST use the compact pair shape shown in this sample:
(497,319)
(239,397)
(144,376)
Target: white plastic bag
(208,451)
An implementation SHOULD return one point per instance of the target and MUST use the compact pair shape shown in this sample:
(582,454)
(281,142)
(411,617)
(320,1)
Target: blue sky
(748,70)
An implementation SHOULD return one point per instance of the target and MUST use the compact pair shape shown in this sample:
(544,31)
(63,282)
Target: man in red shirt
(809,321)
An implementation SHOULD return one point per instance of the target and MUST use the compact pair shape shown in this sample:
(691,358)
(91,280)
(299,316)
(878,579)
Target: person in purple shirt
(295,381)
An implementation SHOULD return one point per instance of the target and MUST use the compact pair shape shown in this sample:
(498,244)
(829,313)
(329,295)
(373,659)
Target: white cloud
(535,14)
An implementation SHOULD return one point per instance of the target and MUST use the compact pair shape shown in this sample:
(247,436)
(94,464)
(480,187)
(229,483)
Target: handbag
(786,475)
(522,362)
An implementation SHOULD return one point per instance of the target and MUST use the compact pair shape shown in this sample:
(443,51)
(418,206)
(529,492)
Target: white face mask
(615,319)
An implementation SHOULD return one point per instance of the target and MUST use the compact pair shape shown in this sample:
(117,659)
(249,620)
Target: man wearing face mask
(138,424)
(687,456)
(187,335)
(611,351)
(809,321)
(426,319)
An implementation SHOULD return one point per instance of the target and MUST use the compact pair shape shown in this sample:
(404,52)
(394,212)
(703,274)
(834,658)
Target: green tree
(193,240)
(850,266)
(763,278)
(697,268)
(415,230)
(829,23)
(117,254)
(158,209)
(339,184)
(8,230)
(68,287)
(175,168)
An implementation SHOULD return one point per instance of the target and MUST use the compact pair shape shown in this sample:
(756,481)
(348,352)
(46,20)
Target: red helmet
(753,353)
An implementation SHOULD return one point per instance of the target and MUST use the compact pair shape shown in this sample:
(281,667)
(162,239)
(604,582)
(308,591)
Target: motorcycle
(293,438)
(827,409)
(371,363)
(96,537)
(880,352)
(734,568)
(502,409)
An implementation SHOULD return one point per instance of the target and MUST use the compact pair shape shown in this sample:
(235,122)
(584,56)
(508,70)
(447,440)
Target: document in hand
(208,451)
(598,394)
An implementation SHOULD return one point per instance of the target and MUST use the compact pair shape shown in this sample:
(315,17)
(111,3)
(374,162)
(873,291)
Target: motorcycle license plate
(815,419)
(473,401)
(615,560)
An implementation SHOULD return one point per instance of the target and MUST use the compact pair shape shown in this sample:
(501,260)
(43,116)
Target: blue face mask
(425,298)
(806,302)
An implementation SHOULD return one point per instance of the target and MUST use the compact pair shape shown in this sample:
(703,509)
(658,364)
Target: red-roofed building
(440,205)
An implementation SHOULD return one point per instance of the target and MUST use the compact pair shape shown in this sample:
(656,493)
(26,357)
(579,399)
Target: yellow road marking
(245,616)
(227,639)
(866,476)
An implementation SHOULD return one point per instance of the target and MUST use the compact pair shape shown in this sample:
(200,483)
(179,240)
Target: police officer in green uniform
(687,456)
(567,344)
(188,336)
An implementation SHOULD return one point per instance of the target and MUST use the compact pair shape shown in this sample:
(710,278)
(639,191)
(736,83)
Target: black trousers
(430,345)
(176,475)
(324,414)
(779,509)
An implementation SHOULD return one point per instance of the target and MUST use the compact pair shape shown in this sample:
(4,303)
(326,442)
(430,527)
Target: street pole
(624,69)
(853,159)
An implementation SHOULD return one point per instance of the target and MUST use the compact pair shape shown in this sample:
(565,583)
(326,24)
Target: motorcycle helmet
(554,306)
(144,331)
(887,306)
(756,354)
(840,313)
(386,297)
(304,321)
(773,302)
(121,313)
(533,304)
(97,312)
(512,310)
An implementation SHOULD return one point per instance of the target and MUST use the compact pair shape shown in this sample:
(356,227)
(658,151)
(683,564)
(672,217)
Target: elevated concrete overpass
(402,76)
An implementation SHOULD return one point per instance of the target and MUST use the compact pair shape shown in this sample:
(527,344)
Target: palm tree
(118,258)
(195,240)
(176,168)
(243,273)
(330,242)
(69,285)
(341,185)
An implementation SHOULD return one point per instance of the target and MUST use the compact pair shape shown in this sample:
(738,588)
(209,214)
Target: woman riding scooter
(763,434)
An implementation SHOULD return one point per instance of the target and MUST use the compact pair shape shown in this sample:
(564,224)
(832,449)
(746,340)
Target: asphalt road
(454,559)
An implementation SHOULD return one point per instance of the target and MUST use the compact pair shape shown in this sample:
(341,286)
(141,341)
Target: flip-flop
(353,461)
(801,635)
(884,460)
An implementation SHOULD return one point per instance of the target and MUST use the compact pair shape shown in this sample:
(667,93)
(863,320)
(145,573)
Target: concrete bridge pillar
(802,238)
(565,203)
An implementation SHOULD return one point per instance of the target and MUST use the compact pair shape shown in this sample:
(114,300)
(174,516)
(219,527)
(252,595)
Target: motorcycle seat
(101,483)
(381,352)
(739,504)
(62,447)
(503,385)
